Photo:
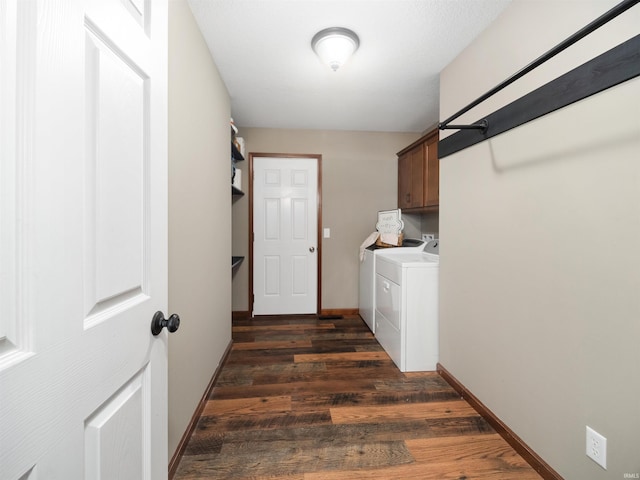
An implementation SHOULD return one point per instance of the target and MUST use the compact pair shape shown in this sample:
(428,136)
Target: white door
(285,235)
(83,249)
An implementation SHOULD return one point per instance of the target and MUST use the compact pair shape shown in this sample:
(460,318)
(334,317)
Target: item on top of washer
(390,226)
(390,238)
(390,221)
(370,240)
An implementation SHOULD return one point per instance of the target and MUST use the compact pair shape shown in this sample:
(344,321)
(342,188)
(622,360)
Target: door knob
(312,249)
(159,322)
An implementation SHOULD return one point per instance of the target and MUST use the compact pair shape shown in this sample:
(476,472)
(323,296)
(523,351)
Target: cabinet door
(417,175)
(431,173)
(404,180)
(411,169)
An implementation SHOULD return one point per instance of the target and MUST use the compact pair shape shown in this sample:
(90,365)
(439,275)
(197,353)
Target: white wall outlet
(426,237)
(597,447)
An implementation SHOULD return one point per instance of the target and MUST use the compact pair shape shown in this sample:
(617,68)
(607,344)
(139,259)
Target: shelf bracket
(482,125)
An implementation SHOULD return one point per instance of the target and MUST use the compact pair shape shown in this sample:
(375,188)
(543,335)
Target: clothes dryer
(406,313)
(366,294)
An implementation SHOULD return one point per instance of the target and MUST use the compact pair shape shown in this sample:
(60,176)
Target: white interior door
(285,229)
(83,249)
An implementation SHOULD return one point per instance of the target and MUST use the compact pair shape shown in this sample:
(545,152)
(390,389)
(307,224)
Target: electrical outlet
(597,447)
(427,237)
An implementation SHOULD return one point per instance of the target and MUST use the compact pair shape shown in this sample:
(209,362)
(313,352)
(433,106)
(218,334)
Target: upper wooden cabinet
(418,174)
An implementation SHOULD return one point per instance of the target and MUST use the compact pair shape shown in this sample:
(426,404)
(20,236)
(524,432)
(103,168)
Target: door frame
(318,159)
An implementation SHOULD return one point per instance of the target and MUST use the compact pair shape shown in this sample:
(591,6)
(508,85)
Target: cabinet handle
(408,197)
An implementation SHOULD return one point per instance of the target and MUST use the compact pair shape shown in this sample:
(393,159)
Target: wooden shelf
(236,156)
(235,153)
(235,261)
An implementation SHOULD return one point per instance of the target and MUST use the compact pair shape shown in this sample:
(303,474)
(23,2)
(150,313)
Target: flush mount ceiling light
(335,45)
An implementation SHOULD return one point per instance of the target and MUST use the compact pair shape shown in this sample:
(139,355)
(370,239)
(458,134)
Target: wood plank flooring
(302,398)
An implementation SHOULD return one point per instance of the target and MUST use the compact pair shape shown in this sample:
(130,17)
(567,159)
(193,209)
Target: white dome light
(335,45)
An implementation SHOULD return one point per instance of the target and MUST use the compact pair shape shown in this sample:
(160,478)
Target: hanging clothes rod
(594,25)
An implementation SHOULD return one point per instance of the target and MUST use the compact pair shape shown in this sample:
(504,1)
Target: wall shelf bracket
(482,125)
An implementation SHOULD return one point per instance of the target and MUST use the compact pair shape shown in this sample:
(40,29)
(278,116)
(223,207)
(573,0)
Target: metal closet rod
(597,23)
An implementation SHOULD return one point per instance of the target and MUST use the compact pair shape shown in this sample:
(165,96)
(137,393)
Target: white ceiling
(262,49)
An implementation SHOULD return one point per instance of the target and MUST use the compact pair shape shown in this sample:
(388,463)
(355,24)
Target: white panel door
(285,229)
(83,249)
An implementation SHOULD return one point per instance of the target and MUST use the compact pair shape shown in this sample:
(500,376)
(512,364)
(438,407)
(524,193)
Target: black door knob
(159,322)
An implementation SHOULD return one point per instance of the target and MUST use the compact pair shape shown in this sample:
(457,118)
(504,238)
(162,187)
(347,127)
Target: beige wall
(540,316)
(199,218)
(359,178)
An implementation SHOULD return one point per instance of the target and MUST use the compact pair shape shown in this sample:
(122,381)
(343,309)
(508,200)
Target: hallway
(306,398)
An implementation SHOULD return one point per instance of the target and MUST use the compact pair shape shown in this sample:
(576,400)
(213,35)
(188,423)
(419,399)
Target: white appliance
(366,300)
(406,299)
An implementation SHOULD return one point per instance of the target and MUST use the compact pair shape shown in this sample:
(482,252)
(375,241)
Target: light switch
(327,233)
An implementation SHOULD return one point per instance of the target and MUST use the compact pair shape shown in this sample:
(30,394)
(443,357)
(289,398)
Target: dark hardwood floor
(302,398)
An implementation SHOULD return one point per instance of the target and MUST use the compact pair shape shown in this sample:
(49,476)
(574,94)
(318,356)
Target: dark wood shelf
(235,153)
(235,261)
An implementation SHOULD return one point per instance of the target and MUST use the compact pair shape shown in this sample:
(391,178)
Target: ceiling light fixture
(335,45)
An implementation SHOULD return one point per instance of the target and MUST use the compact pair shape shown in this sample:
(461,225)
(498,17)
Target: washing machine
(406,307)
(366,297)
